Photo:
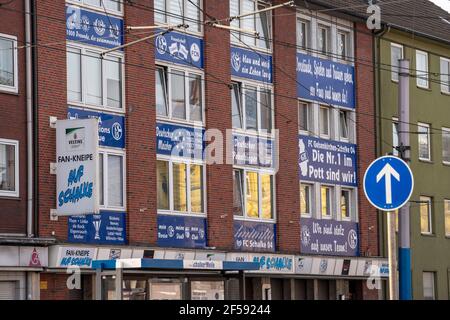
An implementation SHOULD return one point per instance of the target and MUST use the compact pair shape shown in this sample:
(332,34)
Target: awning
(174,264)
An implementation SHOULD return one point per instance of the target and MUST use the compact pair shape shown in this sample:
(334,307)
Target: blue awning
(174,264)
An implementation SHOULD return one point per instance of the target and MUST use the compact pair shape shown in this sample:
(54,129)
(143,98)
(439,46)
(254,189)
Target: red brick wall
(366,138)
(218,116)
(13,119)
(57,287)
(287,183)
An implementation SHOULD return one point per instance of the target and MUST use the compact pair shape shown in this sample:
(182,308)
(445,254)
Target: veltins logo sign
(77,166)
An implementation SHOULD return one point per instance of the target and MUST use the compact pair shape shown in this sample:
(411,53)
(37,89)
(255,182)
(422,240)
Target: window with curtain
(111,184)
(162,182)
(424,141)
(305,199)
(446,145)
(303,29)
(8,168)
(445,75)
(396,55)
(177,12)
(238,195)
(426,226)
(326,201)
(422,69)
(236,104)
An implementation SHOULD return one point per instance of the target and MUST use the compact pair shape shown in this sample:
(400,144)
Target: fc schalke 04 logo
(195,52)
(161,44)
(236,61)
(116,131)
(99,27)
(170,231)
(352,239)
(305,236)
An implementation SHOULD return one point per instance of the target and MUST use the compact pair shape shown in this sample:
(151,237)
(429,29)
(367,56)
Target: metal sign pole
(392,256)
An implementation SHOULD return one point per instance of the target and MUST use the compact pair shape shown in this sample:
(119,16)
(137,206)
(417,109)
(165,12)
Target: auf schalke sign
(77,166)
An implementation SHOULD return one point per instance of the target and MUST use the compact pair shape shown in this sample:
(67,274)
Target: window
(305,199)
(323,36)
(395,137)
(111,5)
(179,94)
(175,12)
(258,202)
(446,145)
(251,107)
(422,69)
(343,124)
(303,29)
(396,54)
(324,120)
(8,63)
(112,180)
(424,141)
(94,80)
(260,23)
(447,217)
(304,117)
(445,75)
(345,204)
(425,215)
(180,187)
(326,201)
(9,168)
(429,291)
(342,45)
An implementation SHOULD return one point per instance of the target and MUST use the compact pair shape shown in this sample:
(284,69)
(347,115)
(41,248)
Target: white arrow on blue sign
(388,183)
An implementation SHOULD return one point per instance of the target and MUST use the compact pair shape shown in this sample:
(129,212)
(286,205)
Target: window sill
(239,43)
(445,93)
(10,197)
(84,106)
(181,122)
(430,235)
(254,133)
(12,91)
(272,221)
(97,9)
(424,88)
(426,161)
(182,214)
(198,34)
(447,164)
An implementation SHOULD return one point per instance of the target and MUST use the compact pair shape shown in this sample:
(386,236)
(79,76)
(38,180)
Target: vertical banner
(77,166)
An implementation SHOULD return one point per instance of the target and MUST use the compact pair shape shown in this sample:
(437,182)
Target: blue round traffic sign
(388,183)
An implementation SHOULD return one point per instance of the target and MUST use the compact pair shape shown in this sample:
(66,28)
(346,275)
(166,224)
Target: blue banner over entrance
(254,236)
(327,161)
(93,28)
(251,65)
(181,231)
(325,81)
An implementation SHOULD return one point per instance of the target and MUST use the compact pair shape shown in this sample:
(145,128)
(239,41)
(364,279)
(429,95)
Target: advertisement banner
(251,65)
(76,166)
(75,257)
(327,161)
(325,81)
(111,128)
(329,237)
(254,236)
(180,141)
(253,151)
(273,263)
(93,28)
(179,48)
(181,231)
(104,228)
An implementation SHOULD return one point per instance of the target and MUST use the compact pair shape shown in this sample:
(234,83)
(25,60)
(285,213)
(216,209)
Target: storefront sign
(202,265)
(179,141)
(93,28)
(327,161)
(20,256)
(274,263)
(179,48)
(325,81)
(77,166)
(104,228)
(254,236)
(303,265)
(329,237)
(251,65)
(181,231)
(111,128)
(75,257)
(323,266)
(253,151)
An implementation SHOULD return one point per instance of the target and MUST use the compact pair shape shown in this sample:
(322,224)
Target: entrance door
(165,290)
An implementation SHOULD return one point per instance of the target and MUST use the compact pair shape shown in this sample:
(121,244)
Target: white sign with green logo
(77,167)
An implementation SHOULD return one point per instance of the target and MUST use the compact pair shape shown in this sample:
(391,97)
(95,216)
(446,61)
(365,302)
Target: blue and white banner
(181,231)
(104,228)
(325,81)
(93,28)
(253,151)
(111,128)
(254,236)
(327,161)
(329,237)
(274,263)
(251,65)
(179,48)
(180,141)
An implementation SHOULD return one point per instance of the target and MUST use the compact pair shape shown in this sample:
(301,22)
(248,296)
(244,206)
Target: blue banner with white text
(325,81)
(180,141)
(251,65)
(93,28)
(327,161)
(254,236)
(111,128)
(181,231)
(253,151)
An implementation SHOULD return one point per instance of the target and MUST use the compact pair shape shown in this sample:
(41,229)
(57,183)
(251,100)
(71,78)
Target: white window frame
(188,163)
(428,201)
(328,50)
(395,122)
(83,103)
(309,120)
(393,72)
(330,121)
(424,125)
(15,88)
(347,56)
(188,30)
(113,152)
(446,130)
(445,84)
(245,217)
(349,132)
(433,283)
(310,199)
(82,3)
(427,78)
(169,70)
(259,87)
(350,208)
(332,189)
(447,233)
(15,193)
(307,22)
